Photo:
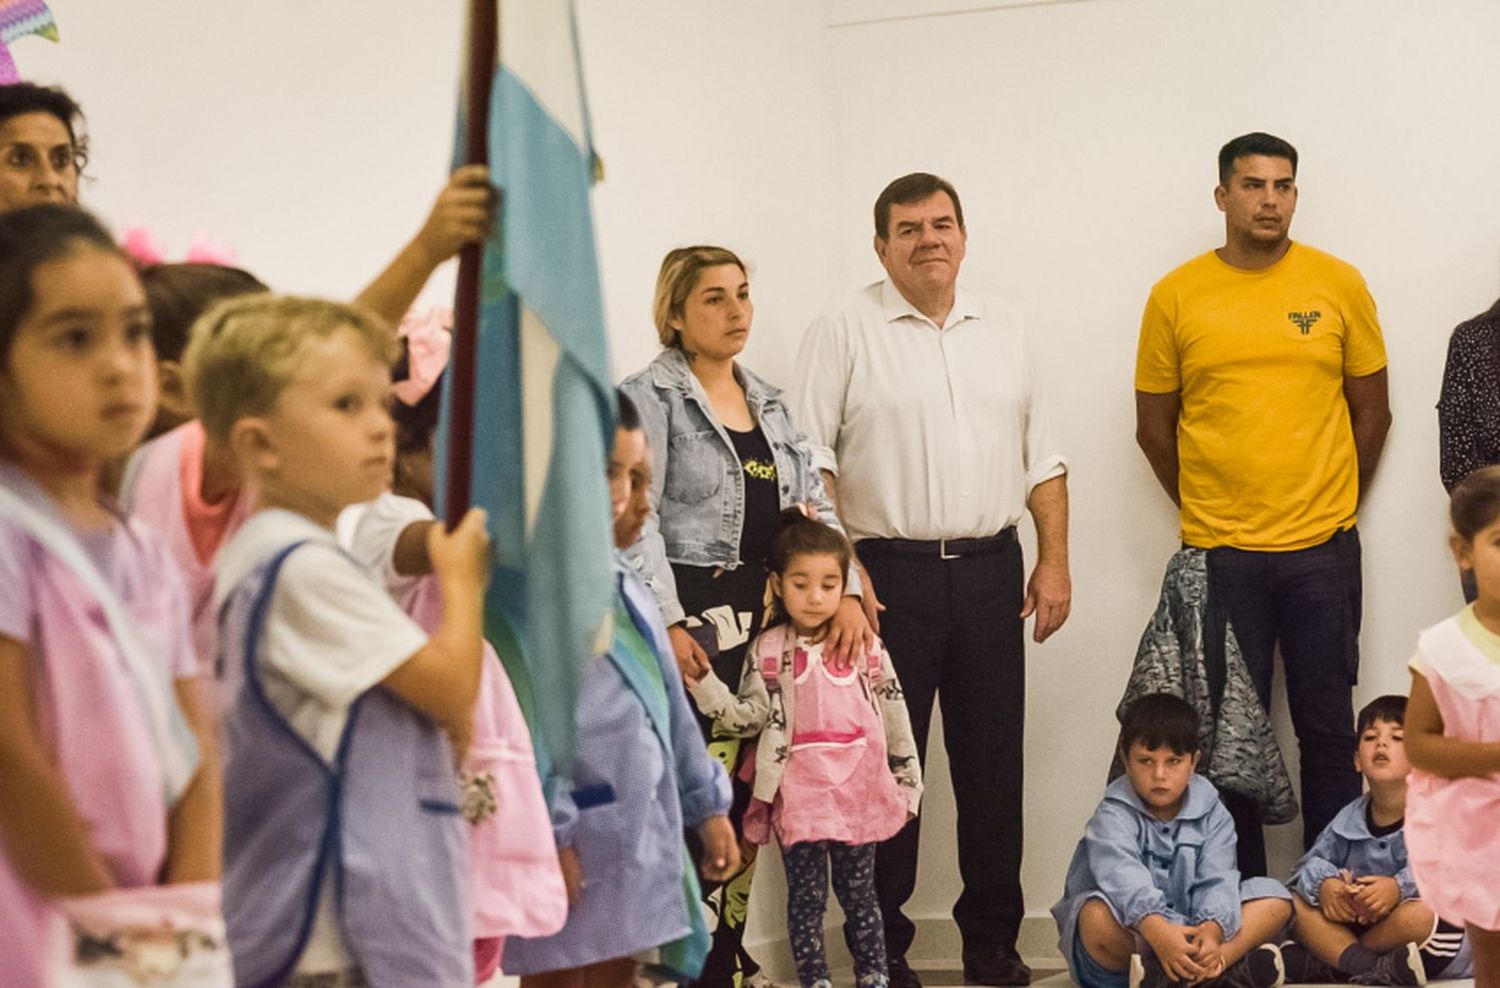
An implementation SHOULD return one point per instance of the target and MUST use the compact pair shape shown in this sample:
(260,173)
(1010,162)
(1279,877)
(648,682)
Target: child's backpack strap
(768,655)
(874,663)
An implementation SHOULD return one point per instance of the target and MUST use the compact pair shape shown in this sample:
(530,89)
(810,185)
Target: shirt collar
(670,370)
(1201,797)
(1350,823)
(895,306)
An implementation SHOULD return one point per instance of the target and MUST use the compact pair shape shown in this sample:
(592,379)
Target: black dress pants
(954,632)
(1308,602)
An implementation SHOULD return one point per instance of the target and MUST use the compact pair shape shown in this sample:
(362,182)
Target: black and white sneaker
(1261,968)
(1302,968)
(1402,966)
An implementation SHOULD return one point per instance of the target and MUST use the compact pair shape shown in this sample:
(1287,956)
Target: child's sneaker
(1261,968)
(1402,966)
(1146,972)
(1302,968)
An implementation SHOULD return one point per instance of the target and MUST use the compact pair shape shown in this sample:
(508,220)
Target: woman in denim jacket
(728,459)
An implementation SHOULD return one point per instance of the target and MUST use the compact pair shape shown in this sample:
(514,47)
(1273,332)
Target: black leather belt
(945,548)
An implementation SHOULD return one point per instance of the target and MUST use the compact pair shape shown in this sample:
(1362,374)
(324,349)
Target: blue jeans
(807,900)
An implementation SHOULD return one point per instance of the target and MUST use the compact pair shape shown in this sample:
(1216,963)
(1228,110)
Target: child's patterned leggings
(807,900)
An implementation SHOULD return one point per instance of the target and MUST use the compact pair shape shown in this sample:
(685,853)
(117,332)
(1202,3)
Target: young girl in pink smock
(836,768)
(1453,738)
(515,880)
(106,777)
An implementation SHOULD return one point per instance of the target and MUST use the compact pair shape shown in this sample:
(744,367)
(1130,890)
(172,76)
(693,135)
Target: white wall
(312,134)
(1082,137)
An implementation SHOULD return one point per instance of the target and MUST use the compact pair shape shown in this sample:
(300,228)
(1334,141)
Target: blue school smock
(1184,868)
(641,772)
(381,822)
(1347,843)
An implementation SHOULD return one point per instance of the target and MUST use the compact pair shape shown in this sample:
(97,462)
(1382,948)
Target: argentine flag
(544,404)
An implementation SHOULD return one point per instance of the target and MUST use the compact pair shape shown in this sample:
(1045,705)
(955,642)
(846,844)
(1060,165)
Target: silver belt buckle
(943,552)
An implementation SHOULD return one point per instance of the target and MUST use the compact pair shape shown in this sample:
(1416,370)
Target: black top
(1469,409)
(762,502)
(1375,831)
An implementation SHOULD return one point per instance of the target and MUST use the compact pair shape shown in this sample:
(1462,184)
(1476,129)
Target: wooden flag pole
(479,75)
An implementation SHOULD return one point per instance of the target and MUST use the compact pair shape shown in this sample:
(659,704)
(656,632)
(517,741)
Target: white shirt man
(923,409)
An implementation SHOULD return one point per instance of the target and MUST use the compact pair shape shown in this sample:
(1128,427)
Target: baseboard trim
(937,944)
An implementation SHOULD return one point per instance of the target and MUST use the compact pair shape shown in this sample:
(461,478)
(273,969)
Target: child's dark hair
(415,424)
(179,293)
(1390,708)
(803,536)
(1474,503)
(1159,720)
(30,237)
(630,416)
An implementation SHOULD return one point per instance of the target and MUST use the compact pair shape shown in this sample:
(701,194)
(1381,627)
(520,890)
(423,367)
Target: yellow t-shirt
(1264,445)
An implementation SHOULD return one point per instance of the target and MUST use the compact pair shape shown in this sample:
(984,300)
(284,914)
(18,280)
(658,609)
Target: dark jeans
(1308,602)
(954,632)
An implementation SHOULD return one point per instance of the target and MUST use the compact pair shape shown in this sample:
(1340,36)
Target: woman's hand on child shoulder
(721,852)
(464,553)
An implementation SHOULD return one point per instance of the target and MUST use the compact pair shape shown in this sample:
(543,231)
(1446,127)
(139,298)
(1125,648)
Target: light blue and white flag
(544,404)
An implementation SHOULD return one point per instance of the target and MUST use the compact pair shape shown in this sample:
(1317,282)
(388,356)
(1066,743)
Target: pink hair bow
(428,339)
(141,246)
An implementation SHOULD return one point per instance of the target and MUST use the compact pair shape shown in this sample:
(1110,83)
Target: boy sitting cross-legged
(1358,917)
(1152,894)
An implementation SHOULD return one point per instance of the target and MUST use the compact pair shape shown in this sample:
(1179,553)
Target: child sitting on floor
(1358,916)
(1157,862)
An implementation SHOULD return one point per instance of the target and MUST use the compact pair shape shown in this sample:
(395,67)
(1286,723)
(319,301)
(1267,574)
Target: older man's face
(923,246)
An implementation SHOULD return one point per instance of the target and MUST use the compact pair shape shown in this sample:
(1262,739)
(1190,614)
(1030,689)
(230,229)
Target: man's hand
(572,873)
(1375,896)
(1173,946)
(721,852)
(871,603)
(1334,901)
(692,661)
(848,634)
(1049,595)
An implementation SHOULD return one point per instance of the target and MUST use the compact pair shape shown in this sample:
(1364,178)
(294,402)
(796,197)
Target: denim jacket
(698,484)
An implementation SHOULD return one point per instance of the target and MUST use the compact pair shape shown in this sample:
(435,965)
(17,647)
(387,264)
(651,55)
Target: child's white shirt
(332,631)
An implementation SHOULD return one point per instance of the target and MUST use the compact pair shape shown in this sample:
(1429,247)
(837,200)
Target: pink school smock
(837,784)
(1453,825)
(89,717)
(163,486)
(516,881)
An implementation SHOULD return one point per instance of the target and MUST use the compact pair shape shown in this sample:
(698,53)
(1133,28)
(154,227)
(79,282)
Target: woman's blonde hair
(242,353)
(679,273)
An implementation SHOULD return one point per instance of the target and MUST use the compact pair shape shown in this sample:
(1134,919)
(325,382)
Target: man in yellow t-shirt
(1261,405)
